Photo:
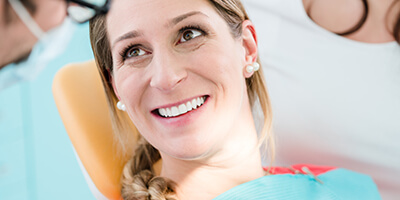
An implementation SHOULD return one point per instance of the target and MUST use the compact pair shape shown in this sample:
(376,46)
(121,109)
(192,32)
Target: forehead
(128,15)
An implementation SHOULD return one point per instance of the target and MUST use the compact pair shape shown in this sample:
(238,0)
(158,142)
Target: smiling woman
(186,73)
(164,76)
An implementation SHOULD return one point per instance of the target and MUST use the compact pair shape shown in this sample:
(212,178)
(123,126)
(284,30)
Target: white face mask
(49,46)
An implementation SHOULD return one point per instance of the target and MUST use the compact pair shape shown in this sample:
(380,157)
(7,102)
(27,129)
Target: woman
(185,72)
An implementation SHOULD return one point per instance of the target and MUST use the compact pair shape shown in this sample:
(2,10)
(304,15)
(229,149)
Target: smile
(183,108)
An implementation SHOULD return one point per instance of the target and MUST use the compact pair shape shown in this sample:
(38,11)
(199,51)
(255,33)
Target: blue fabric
(37,161)
(337,184)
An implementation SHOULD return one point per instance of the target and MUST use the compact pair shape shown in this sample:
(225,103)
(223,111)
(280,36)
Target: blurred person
(38,36)
(33,32)
(333,72)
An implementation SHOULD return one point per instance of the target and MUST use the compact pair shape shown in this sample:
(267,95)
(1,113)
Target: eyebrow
(180,18)
(172,22)
(131,34)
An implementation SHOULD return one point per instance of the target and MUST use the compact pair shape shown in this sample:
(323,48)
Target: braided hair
(138,180)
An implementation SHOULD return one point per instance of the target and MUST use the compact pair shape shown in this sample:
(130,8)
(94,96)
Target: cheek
(128,85)
(131,90)
(219,60)
(54,8)
(16,42)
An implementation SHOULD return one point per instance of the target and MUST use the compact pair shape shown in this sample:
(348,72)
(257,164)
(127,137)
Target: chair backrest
(81,102)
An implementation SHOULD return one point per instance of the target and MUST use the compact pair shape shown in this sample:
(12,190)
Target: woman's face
(180,73)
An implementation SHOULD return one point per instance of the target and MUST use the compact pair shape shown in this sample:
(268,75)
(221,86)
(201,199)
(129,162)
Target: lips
(175,111)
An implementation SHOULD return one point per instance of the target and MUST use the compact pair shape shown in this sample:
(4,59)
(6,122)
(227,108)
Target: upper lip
(178,103)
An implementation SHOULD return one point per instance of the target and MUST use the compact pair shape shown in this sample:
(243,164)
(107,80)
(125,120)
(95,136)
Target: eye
(134,52)
(190,34)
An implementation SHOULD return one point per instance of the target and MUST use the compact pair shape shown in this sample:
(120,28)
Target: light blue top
(337,184)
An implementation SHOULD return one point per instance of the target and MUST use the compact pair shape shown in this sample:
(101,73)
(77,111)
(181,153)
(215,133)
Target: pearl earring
(121,106)
(256,66)
(253,68)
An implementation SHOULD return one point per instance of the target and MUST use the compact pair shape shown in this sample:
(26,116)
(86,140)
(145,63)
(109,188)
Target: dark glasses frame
(99,10)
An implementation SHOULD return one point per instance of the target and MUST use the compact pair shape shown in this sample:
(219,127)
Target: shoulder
(338,182)
(306,182)
(350,185)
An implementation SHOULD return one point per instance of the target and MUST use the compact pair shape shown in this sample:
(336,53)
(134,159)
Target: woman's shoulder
(306,182)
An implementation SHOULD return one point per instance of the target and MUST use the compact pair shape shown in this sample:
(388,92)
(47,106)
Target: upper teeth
(182,109)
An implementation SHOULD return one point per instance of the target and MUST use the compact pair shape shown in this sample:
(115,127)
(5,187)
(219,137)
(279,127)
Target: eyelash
(192,27)
(181,31)
(126,49)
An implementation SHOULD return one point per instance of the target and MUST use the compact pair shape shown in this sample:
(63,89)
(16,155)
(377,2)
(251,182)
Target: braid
(138,179)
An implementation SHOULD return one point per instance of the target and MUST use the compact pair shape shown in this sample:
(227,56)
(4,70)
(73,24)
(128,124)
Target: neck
(206,180)
(234,161)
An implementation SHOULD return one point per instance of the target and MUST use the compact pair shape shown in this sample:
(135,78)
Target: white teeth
(194,104)
(189,106)
(169,112)
(182,109)
(174,111)
(198,102)
(162,111)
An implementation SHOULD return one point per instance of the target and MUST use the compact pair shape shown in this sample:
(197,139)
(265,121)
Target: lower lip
(183,119)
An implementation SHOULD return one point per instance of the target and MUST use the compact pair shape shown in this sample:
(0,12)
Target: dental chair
(81,102)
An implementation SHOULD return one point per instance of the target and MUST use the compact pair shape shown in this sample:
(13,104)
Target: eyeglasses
(83,10)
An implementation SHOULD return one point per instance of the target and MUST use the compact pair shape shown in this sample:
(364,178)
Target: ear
(249,39)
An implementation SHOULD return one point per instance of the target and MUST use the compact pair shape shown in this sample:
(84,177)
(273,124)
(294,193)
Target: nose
(168,71)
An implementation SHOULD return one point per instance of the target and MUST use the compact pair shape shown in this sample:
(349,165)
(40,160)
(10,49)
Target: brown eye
(190,34)
(135,52)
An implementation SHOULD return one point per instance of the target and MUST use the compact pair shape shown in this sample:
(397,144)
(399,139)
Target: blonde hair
(138,179)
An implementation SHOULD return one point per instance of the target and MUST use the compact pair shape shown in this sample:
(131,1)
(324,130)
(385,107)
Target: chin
(189,152)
